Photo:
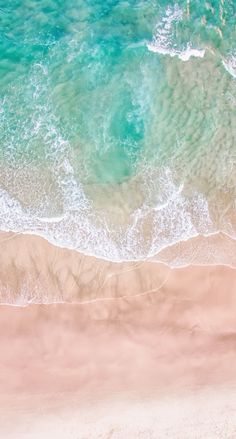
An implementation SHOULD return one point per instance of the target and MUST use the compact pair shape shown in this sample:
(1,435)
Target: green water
(100,101)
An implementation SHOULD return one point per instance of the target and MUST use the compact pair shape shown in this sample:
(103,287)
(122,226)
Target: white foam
(87,231)
(55,219)
(163,41)
(230,65)
(184,55)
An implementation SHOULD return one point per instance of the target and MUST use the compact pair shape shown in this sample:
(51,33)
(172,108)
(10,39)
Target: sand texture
(137,350)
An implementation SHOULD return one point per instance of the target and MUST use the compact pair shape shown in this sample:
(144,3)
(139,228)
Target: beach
(148,342)
(118,219)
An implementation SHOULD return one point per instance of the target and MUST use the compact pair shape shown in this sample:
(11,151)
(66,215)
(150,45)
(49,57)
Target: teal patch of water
(78,73)
(69,67)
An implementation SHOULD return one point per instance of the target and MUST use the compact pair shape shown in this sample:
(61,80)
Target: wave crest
(164,41)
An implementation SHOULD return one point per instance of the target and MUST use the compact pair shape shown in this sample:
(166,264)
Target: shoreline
(34,271)
(212,240)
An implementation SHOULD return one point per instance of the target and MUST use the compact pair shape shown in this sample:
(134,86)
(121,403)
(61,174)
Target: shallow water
(117,122)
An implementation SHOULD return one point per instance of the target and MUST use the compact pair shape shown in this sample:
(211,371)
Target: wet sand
(34,271)
(139,351)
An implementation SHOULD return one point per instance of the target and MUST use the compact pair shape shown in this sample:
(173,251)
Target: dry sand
(140,350)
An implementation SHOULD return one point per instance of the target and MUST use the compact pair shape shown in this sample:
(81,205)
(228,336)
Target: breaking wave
(164,41)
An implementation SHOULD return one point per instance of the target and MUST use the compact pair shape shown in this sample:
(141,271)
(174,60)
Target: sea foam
(230,65)
(184,54)
(164,41)
(93,233)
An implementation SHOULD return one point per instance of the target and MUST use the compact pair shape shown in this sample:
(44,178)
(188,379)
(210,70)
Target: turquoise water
(117,122)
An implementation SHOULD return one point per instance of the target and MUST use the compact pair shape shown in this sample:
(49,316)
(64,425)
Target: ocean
(118,123)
